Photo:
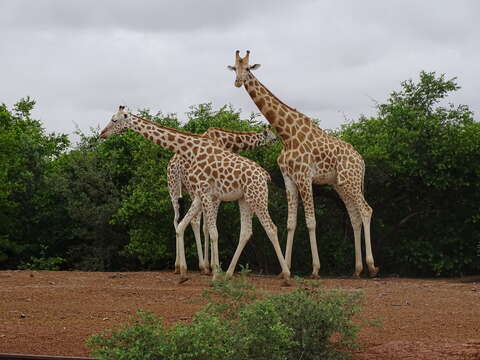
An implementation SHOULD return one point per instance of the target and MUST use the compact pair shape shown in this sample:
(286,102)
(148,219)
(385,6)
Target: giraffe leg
(211,219)
(176,210)
(195,208)
(356,221)
(260,207)
(198,240)
(245,234)
(366,213)
(292,200)
(207,253)
(305,189)
(216,205)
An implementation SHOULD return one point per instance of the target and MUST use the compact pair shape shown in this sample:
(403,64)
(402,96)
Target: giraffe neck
(171,139)
(236,141)
(284,119)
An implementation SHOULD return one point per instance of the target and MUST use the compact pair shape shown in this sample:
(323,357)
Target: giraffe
(177,175)
(311,155)
(215,174)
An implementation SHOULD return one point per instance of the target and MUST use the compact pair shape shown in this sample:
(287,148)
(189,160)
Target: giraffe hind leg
(366,213)
(195,208)
(356,222)
(260,207)
(245,234)
(198,240)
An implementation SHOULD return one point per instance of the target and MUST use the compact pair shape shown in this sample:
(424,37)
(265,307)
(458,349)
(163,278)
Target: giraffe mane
(234,131)
(168,128)
(276,98)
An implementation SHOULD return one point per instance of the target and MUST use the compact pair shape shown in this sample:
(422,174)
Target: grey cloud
(80,60)
(139,15)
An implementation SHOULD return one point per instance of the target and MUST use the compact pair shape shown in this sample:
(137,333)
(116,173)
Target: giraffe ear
(254,67)
(230,67)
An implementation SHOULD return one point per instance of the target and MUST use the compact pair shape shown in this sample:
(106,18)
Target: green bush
(143,339)
(321,321)
(307,323)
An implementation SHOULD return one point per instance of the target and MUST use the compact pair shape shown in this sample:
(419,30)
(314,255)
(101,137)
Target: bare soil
(53,313)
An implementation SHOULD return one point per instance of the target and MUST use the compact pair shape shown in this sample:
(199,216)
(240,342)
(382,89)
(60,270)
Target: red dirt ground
(53,313)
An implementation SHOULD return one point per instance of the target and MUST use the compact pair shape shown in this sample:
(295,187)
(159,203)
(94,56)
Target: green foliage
(316,317)
(142,339)
(424,158)
(26,152)
(227,297)
(303,324)
(43,262)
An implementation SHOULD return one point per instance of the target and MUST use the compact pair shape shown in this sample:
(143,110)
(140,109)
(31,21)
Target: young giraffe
(215,174)
(177,175)
(311,155)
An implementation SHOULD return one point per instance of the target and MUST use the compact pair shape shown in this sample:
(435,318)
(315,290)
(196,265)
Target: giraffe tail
(363,180)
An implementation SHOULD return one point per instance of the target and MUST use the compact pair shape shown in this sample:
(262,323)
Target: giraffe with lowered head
(215,174)
(311,155)
(177,175)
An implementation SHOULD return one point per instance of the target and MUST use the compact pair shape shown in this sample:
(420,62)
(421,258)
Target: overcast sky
(80,59)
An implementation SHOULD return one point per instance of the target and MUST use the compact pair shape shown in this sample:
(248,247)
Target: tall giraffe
(215,174)
(177,175)
(310,155)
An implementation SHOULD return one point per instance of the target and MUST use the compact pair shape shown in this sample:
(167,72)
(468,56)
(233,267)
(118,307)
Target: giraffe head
(268,136)
(120,122)
(242,68)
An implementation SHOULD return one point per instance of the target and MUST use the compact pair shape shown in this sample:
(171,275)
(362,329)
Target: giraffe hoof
(176,271)
(286,283)
(356,275)
(183,279)
(374,272)
(314,277)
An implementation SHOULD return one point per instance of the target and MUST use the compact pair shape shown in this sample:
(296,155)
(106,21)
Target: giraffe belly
(230,196)
(327,177)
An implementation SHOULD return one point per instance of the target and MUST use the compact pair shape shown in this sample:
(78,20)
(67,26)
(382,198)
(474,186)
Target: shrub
(206,338)
(321,321)
(143,339)
(307,323)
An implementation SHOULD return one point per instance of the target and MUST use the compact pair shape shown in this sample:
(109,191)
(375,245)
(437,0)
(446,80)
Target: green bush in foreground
(307,323)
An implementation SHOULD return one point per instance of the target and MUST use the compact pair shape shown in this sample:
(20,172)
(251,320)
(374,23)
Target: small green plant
(141,339)
(43,262)
(228,297)
(208,337)
(320,319)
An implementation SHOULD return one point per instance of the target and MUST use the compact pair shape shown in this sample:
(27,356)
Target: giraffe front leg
(292,200)
(195,208)
(305,189)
